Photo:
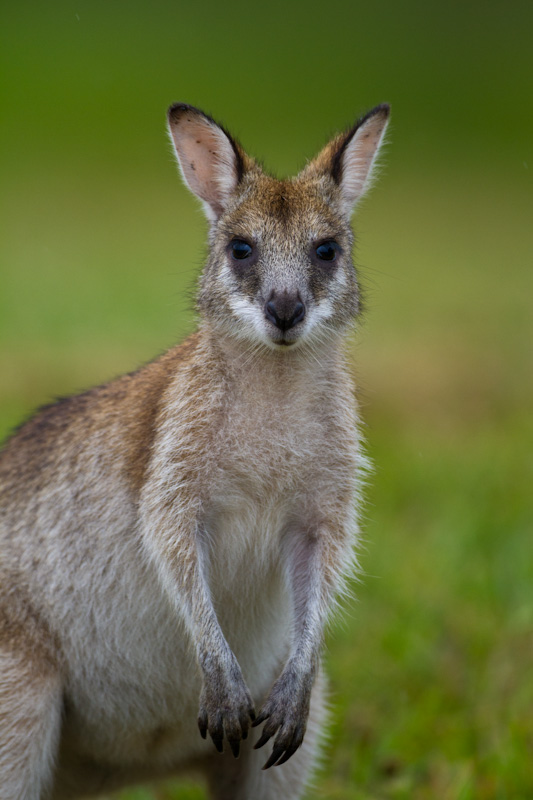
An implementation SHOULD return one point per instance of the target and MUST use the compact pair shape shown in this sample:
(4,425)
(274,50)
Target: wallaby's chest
(267,455)
(267,446)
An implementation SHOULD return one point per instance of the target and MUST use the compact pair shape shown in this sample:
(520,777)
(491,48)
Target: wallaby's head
(280,270)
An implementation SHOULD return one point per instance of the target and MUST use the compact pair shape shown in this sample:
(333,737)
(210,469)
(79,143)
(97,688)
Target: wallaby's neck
(294,369)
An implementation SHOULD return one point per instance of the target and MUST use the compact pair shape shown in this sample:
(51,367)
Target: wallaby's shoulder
(125,410)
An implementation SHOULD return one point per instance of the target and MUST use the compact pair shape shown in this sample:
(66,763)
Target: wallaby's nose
(285,310)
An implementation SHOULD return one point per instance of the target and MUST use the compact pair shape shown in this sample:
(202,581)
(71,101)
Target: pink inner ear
(207,160)
(359,156)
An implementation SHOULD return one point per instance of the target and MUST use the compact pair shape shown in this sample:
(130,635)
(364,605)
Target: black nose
(285,310)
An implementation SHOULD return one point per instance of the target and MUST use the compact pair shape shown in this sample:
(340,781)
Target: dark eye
(327,251)
(240,249)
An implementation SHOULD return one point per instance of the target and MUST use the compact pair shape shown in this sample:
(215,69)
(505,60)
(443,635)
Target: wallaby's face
(280,270)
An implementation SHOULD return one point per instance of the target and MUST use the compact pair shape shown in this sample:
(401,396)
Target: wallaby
(172,543)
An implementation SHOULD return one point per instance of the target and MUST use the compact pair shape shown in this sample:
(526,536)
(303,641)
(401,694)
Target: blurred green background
(431,669)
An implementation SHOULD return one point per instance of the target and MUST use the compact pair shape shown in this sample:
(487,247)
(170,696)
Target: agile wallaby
(175,539)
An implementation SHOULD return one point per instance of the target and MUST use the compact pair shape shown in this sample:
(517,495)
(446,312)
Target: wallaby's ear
(211,162)
(349,158)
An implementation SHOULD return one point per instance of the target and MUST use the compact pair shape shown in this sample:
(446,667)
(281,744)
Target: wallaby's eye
(327,251)
(240,249)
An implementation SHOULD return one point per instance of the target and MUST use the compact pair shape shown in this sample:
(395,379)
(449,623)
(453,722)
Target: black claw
(263,740)
(252,714)
(202,727)
(218,743)
(276,753)
(290,751)
(258,720)
(235,747)
(245,725)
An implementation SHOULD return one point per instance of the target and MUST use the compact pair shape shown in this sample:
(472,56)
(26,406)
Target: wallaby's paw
(285,710)
(226,710)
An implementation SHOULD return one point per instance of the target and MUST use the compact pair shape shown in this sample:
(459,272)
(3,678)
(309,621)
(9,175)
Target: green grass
(431,679)
(434,666)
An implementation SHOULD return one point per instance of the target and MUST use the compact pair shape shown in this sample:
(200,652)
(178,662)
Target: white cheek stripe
(253,319)
(321,310)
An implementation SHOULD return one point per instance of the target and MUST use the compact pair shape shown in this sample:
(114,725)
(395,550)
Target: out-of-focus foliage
(431,675)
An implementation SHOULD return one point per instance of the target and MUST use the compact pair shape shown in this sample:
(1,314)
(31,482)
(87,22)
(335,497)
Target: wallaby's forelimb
(226,707)
(312,564)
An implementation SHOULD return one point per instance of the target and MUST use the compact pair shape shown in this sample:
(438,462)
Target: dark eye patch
(243,256)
